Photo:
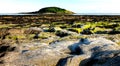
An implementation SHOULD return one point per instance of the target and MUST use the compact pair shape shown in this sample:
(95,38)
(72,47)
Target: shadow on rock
(63,61)
(75,54)
(103,58)
(5,51)
(75,49)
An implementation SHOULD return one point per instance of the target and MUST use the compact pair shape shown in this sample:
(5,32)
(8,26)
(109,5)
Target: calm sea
(97,14)
(15,14)
(73,14)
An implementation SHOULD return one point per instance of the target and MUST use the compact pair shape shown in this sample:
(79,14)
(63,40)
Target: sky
(77,6)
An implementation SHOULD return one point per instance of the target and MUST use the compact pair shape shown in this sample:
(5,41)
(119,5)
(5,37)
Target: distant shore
(79,14)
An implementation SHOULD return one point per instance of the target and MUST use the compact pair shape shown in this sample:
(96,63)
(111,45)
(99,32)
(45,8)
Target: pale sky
(77,6)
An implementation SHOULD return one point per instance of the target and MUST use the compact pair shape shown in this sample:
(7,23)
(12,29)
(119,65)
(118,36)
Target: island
(52,10)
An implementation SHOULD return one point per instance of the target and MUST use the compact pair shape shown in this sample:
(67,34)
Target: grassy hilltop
(52,10)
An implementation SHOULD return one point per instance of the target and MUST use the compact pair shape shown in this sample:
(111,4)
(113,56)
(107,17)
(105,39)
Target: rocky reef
(44,41)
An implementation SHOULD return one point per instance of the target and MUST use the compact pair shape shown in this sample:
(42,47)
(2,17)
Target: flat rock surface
(82,52)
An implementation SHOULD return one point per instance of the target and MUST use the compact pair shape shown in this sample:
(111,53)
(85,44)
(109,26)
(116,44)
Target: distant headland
(51,10)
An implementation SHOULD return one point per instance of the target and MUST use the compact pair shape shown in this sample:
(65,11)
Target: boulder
(33,30)
(92,52)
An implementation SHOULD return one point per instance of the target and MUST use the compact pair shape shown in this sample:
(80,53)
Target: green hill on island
(53,10)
